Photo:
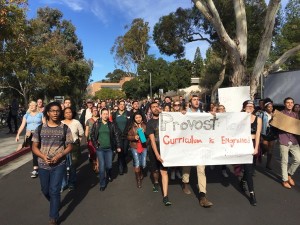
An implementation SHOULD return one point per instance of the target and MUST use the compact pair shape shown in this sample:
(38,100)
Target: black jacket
(115,134)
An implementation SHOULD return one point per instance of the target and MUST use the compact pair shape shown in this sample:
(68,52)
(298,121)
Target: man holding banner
(203,201)
(156,161)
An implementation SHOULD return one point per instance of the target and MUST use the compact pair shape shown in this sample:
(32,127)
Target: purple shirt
(285,137)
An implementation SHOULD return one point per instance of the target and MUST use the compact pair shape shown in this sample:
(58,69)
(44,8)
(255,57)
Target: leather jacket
(115,134)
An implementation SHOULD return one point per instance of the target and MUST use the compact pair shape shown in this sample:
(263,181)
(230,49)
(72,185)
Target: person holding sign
(203,201)
(289,144)
(154,154)
(138,146)
(256,124)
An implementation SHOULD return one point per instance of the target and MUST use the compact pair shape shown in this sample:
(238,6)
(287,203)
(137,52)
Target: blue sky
(99,22)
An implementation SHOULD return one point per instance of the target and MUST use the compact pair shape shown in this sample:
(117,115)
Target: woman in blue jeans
(105,137)
(138,146)
(52,141)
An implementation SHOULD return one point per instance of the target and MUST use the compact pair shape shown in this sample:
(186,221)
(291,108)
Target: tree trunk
(265,45)
(221,79)
(236,48)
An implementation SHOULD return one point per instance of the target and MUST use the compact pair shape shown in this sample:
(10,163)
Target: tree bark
(237,49)
(282,59)
(221,79)
(265,45)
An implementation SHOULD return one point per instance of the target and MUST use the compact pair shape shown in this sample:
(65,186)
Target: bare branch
(282,59)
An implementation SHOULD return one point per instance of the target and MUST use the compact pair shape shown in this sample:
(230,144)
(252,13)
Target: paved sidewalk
(9,148)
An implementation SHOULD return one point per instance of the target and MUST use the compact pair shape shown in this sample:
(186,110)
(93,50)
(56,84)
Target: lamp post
(150,83)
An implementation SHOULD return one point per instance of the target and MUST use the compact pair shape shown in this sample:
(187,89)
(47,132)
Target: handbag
(27,139)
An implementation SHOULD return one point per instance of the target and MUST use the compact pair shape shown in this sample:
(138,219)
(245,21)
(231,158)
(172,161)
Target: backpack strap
(39,134)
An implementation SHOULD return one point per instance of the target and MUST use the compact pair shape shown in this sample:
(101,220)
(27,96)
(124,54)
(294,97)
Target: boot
(185,188)
(138,179)
(141,174)
(269,158)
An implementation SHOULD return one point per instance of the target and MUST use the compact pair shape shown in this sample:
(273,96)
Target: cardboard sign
(202,139)
(285,123)
(232,98)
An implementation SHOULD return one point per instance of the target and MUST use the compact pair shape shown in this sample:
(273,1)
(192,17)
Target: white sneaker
(178,175)
(224,173)
(173,175)
(34,174)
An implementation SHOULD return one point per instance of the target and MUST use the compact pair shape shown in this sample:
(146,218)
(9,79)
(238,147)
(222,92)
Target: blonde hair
(31,102)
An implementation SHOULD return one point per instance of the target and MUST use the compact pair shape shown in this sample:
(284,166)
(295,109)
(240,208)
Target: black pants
(14,118)
(248,173)
(122,155)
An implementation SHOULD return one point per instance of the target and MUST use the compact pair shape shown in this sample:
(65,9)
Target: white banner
(233,97)
(200,139)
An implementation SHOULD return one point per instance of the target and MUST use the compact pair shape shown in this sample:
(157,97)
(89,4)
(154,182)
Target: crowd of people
(118,127)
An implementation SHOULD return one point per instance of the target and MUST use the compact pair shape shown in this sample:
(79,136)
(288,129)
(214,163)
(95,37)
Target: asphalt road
(22,203)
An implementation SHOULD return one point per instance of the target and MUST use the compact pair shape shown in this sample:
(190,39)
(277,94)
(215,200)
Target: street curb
(14,156)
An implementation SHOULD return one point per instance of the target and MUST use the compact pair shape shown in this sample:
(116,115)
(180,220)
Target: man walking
(289,144)
(203,201)
(52,141)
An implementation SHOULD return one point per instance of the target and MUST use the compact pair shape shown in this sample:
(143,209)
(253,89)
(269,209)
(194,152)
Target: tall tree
(116,75)
(198,65)
(131,49)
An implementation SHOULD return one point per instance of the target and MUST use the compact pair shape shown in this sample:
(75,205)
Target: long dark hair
(73,112)
(48,107)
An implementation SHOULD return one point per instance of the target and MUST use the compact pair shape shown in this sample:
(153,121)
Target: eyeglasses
(54,111)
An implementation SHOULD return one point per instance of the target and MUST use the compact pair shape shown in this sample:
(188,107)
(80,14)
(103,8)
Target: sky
(99,22)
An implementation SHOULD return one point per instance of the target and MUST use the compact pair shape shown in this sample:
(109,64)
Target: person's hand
(46,159)
(118,149)
(17,138)
(159,158)
(56,158)
(255,151)
(136,137)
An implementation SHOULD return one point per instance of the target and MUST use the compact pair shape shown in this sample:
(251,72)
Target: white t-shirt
(76,129)
(88,115)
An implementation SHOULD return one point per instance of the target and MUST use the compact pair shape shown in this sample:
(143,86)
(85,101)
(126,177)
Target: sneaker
(224,173)
(166,201)
(71,188)
(34,174)
(173,175)
(155,188)
(253,199)
(178,175)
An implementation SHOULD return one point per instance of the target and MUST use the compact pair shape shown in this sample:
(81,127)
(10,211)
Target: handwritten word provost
(232,141)
(166,119)
(191,140)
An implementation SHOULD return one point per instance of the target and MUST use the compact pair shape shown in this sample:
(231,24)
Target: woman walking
(248,106)
(74,156)
(31,120)
(138,146)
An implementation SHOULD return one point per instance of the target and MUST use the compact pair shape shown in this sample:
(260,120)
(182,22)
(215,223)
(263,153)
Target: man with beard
(156,161)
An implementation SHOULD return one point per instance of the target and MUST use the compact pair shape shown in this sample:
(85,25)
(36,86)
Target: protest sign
(202,139)
(232,98)
(285,123)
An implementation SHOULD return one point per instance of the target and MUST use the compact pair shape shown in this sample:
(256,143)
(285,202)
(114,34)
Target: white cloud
(76,5)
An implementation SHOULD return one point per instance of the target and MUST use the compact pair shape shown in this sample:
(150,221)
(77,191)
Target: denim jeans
(105,164)
(139,159)
(50,184)
(71,180)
